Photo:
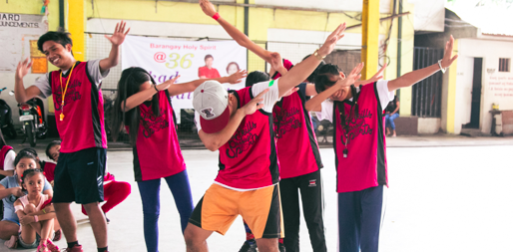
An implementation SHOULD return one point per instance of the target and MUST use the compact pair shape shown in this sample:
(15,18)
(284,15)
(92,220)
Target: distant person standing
(207,71)
(392,112)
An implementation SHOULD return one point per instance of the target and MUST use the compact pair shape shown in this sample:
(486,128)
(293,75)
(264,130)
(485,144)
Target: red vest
(248,160)
(83,124)
(157,152)
(49,170)
(3,152)
(365,165)
(297,147)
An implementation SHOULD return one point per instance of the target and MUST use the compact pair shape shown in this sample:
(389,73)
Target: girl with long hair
(146,111)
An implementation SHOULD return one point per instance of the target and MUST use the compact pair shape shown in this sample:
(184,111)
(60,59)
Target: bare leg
(56,225)
(395,134)
(66,220)
(267,245)
(46,230)
(28,232)
(8,229)
(30,208)
(196,238)
(98,223)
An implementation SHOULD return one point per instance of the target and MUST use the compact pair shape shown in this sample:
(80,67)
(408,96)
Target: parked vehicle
(6,123)
(33,120)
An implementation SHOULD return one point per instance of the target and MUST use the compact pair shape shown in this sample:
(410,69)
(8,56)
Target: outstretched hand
(276,61)
(255,104)
(376,77)
(237,77)
(448,59)
(332,40)
(207,7)
(354,75)
(119,34)
(23,68)
(165,85)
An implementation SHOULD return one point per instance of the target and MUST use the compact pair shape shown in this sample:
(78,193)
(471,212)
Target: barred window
(504,65)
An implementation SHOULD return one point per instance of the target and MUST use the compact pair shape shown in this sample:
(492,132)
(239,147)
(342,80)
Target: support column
(76,26)
(370,37)
(451,93)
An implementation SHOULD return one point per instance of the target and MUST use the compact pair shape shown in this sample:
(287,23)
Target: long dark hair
(2,140)
(131,79)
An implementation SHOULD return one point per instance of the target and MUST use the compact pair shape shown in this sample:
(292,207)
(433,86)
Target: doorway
(475,110)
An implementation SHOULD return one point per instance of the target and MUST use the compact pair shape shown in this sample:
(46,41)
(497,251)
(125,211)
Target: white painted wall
(490,51)
(429,14)
(465,71)
(428,126)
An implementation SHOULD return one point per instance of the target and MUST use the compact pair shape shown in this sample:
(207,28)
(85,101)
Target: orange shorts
(260,208)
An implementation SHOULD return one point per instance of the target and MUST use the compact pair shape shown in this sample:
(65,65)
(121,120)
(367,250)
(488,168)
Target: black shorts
(79,176)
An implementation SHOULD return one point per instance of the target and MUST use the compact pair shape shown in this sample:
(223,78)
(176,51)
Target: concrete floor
(454,198)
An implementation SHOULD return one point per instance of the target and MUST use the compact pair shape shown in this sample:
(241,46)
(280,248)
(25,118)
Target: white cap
(210,100)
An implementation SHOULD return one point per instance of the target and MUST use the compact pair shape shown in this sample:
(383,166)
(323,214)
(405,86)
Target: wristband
(44,211)
(216,16)
(36,219)
(155,86)
(441,68)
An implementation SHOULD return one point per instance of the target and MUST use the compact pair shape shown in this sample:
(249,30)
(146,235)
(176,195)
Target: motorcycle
(33,120)
(6,123)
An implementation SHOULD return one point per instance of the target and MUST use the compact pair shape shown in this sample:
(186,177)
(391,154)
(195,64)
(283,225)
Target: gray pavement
(447,194)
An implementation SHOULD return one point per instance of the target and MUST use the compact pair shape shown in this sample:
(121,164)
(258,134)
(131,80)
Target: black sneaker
(281,247)
(249,246)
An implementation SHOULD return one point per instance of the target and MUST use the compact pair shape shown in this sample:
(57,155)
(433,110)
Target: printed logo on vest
(312,183)
(152,123)
(72,94)
(358,126)
(242,140)
(286,120)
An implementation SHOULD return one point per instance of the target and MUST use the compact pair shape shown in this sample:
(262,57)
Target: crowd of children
(269,158)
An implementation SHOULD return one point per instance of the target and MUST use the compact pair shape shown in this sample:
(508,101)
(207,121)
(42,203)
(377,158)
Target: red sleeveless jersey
(49,170)
(248,160)
(365,165)
(157,152)
(3,152)
(296,143)
(83,124)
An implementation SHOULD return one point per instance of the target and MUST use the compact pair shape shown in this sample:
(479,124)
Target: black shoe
(281,247)
(249,246)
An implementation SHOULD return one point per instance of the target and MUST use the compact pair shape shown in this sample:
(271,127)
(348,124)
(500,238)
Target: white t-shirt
(9,160)
(384,95)
(270,98)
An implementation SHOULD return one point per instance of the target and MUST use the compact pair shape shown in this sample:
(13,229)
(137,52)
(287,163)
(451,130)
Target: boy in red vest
(360,147)
(79,112)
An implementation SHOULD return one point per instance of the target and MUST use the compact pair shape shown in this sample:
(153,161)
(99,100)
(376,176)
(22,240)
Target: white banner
(192,60)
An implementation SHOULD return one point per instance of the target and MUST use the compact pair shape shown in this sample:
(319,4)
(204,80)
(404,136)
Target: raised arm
(116,40)
(413,77)
(314,104)
(301,71)
(20,93)
(243,40)
(192,85)
(214,141)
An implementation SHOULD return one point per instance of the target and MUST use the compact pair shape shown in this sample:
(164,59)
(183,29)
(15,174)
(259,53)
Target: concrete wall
(497,86)
(428,126)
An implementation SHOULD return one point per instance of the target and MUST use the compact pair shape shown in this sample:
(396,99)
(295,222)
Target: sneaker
(249,246)
(281,247)
(52,247)
(12,243)
(76,248)
(57,236)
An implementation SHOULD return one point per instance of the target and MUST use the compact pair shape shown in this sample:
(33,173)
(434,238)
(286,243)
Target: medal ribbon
(63,92)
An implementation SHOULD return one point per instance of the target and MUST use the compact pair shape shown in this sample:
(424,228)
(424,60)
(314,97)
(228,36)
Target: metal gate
(427,94)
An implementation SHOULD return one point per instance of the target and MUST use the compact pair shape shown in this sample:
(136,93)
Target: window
(504,65)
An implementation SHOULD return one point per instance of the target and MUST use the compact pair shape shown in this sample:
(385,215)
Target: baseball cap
(210,100)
